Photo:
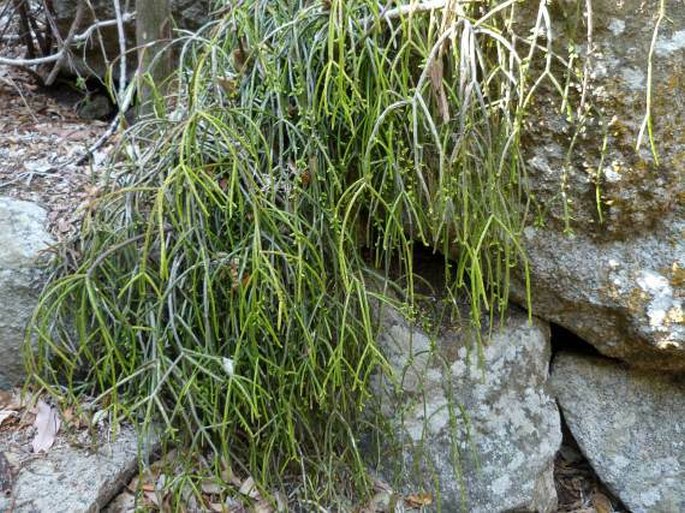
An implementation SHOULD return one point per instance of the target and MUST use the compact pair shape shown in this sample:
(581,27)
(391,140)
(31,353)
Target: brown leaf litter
(40,141)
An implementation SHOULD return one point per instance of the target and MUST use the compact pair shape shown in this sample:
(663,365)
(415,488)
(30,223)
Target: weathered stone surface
(619,282)
(624,297)
(23,238)
(70,479)
(631,427)
(485,429)
(187,14)
(633,193)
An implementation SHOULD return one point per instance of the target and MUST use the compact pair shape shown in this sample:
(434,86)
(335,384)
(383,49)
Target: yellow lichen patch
(676,275)
(610,291)
(675,315)
(668,344)
(637,298)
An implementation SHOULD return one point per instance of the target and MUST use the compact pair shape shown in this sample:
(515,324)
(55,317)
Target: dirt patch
(41,140)
(578,488)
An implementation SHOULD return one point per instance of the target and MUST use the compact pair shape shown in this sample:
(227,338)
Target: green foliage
(225,283)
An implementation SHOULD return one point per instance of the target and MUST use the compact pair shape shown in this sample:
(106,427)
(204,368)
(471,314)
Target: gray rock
(630,189)
(68,479)
(187,14)
(482,428)
(631,427)
(619,281)
(95,106)
(23,239)
(625,297)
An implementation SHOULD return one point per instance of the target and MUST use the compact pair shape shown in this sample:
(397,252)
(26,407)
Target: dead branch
(124,96)
(76,39)
(22,12)
(31,62)
(121,90)
(65,53)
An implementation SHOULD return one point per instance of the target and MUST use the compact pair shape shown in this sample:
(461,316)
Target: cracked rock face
(629,424)
(485,428)
(23,238)
(608,253)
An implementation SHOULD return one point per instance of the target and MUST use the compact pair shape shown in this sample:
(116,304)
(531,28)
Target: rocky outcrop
(23,240)
(90,60)
(629,424)
(609,262)
(476,430)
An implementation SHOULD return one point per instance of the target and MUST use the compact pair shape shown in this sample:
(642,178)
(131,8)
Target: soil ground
(41,140)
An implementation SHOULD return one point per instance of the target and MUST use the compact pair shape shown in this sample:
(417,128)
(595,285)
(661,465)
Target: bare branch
(66,43)
(78,38)
(21,8)
(121,90)
(83,36)
(124,104)
(32,62)
(435,5)
(403,10)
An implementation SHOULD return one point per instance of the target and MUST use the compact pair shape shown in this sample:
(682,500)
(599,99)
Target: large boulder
(23,241)
(625,297)
(630,426)
(473,426)
(103,48)
(608,253)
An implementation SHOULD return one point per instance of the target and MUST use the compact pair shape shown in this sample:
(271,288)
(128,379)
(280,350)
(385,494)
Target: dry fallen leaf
(68,414)
(6,414)
(249,488)
(132,485)
(12,400)
(418,500)
(211,488)
(232,505)
(151,499)
(227,475)
(262,507)
(601,503)
(47,424)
